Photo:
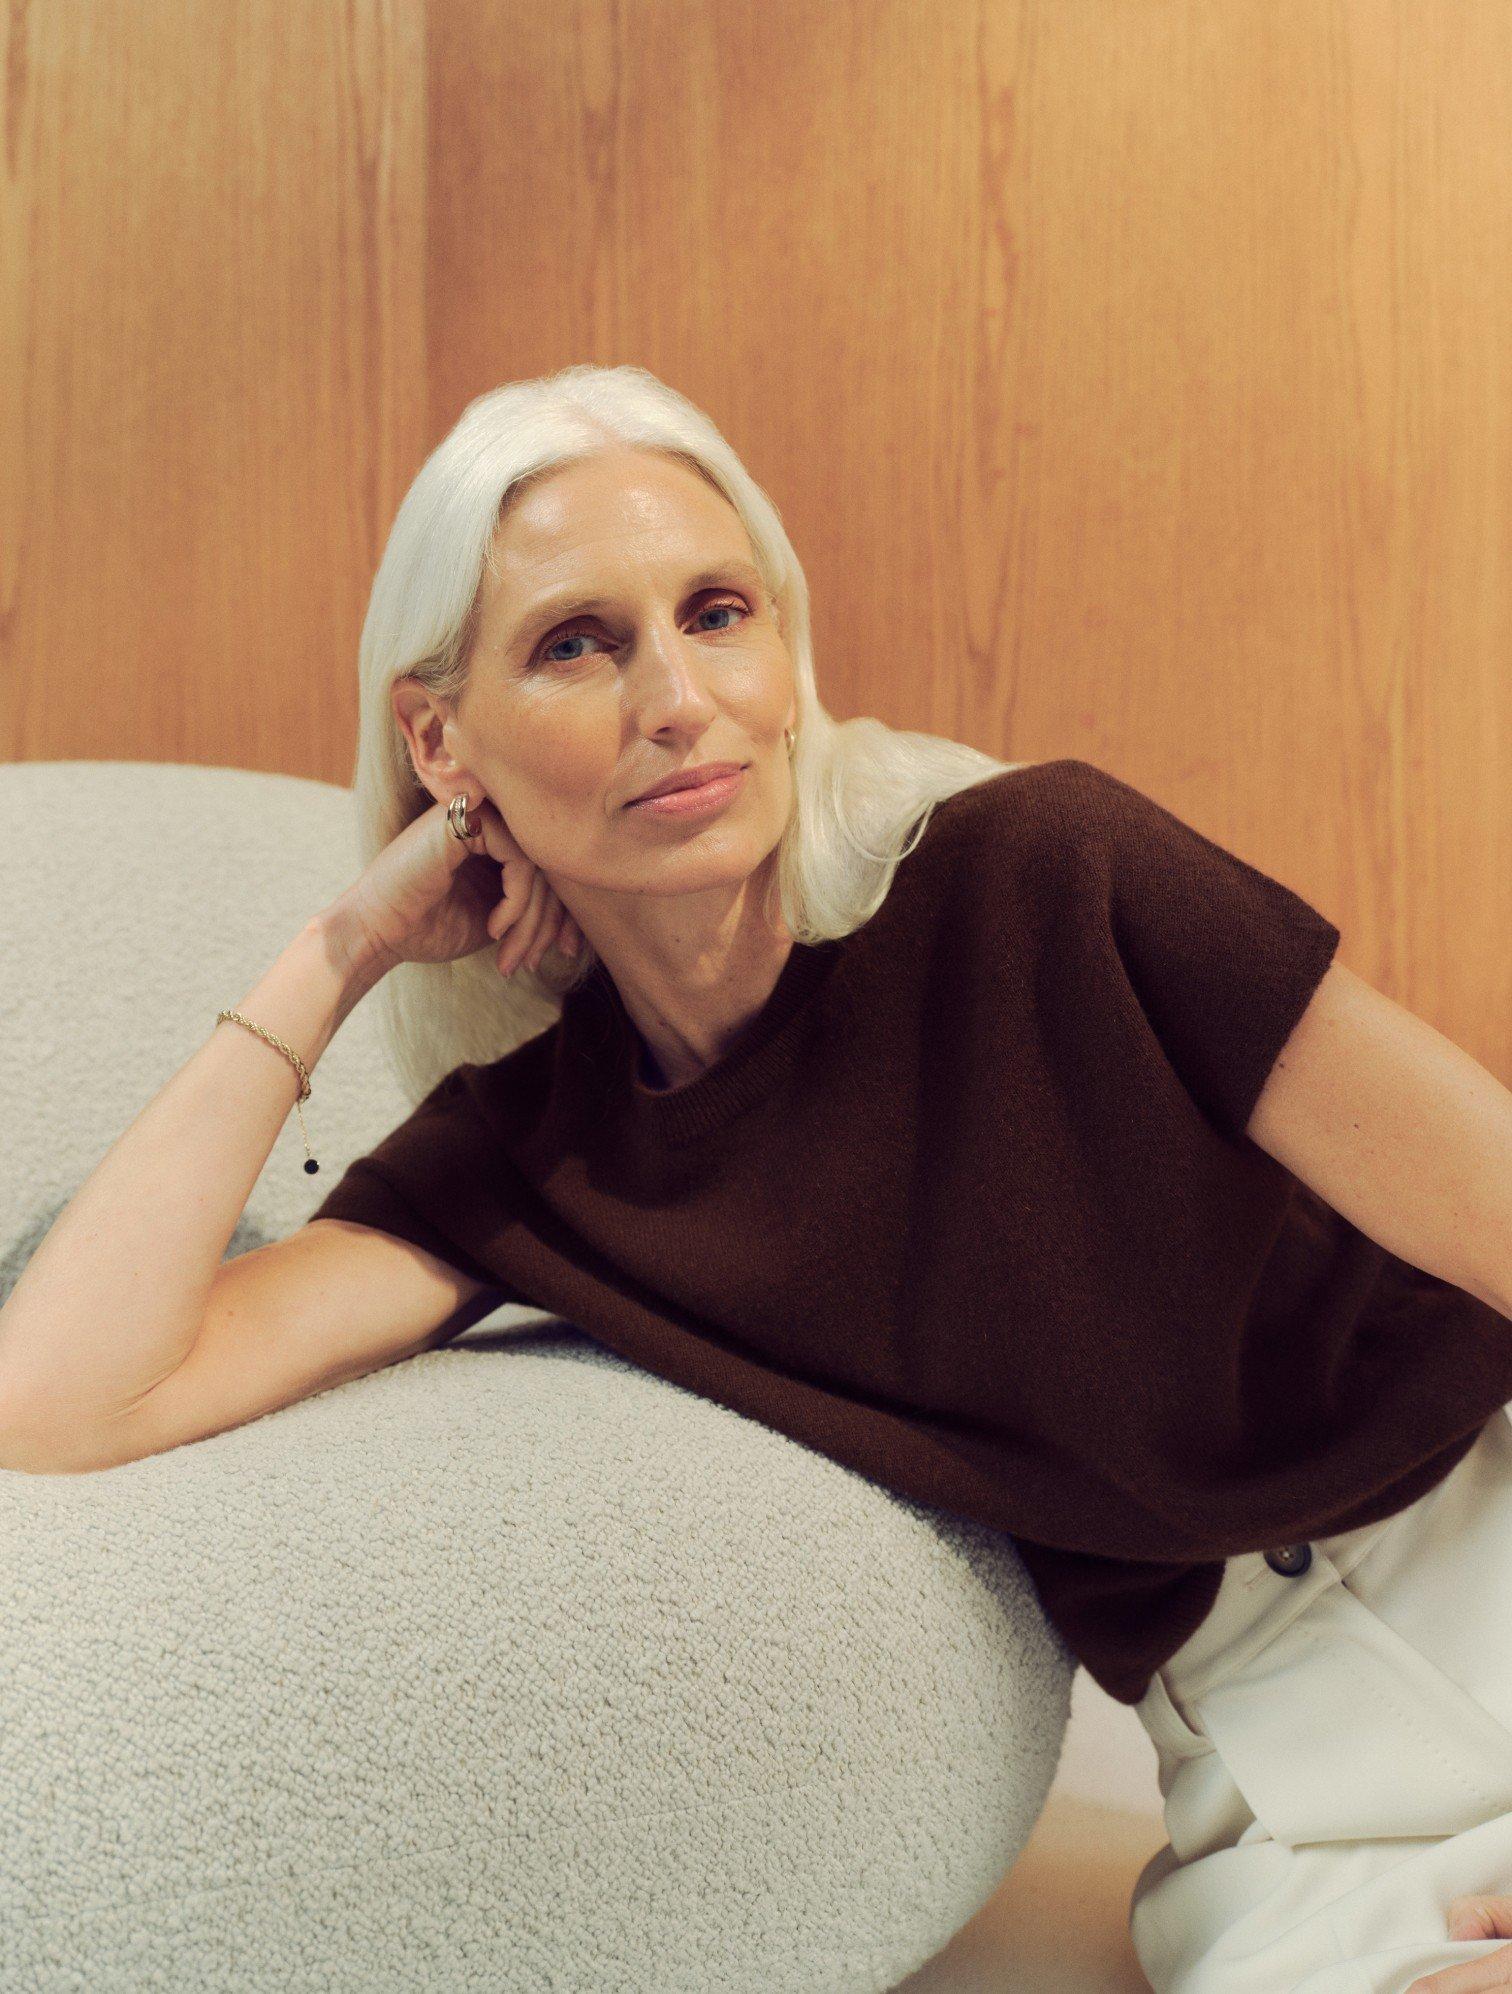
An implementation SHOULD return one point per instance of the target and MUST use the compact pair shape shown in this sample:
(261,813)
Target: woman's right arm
(113,1299)
(130,1289)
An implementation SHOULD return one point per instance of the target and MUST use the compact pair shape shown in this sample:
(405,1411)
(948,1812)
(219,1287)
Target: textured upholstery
(512,1666)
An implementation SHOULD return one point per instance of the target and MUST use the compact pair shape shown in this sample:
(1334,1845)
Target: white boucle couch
(512,1666)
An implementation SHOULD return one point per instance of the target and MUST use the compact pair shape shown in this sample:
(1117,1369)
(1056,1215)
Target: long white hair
(863,791)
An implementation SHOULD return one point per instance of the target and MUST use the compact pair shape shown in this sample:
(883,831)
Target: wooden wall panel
(1129,373)
(213,376)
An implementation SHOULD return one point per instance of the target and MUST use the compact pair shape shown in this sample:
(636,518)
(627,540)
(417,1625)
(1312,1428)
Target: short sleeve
(400,1187)
(1222,958)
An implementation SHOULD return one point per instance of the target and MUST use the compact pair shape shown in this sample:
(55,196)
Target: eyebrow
(554,609)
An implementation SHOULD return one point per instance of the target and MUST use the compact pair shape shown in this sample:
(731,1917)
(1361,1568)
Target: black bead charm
(311,1166)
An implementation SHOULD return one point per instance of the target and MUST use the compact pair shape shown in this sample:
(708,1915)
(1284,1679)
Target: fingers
(554,928)
(515,881)
(1480,1917)
(546,920)
(553,921)
(524,928)
(541,925)
(530,917)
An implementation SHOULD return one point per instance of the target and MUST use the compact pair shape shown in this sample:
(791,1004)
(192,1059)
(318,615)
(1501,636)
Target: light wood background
(1130,374)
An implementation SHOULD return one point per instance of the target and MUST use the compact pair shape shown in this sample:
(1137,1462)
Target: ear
(421,717)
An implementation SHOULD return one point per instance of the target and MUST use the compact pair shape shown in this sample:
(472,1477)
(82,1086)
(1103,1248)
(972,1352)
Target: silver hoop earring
(790,738)
(456,819)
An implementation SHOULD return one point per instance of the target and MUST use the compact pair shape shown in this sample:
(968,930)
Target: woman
(908,1101)
(931,1051)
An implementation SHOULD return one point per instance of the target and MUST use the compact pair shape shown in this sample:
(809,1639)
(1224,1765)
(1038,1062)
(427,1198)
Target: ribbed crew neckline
(739,1077)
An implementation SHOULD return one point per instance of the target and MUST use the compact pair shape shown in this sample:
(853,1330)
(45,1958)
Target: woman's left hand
(1474,1918)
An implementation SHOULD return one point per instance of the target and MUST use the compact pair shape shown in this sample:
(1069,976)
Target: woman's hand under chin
(428,897)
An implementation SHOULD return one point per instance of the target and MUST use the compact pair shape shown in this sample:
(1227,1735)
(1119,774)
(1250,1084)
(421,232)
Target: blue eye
(567,636)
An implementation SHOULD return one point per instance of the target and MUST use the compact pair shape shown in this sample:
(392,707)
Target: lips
(692,778)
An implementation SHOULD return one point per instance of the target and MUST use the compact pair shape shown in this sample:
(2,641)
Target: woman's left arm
(1399,1129)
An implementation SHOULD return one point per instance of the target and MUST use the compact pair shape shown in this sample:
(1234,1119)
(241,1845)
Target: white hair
(863,791)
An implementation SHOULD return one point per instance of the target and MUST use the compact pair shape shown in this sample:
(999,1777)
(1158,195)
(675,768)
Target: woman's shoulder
(996,850)
(1024,784)
(1029,811)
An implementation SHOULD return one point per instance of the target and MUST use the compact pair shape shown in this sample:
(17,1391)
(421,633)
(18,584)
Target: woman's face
(628,636)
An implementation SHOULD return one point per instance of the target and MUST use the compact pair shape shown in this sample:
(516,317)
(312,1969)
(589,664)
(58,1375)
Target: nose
(666,686)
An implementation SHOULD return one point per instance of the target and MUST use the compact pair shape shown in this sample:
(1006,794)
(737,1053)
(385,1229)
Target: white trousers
(1335,1748)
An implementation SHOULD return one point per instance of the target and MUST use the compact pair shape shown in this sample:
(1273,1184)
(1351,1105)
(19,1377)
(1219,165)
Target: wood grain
(1130,375)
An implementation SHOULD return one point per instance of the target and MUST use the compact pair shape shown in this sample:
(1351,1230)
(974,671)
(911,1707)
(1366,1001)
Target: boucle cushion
(512,1665)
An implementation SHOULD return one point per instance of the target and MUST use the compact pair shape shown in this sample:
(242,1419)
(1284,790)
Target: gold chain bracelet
(311,1166)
